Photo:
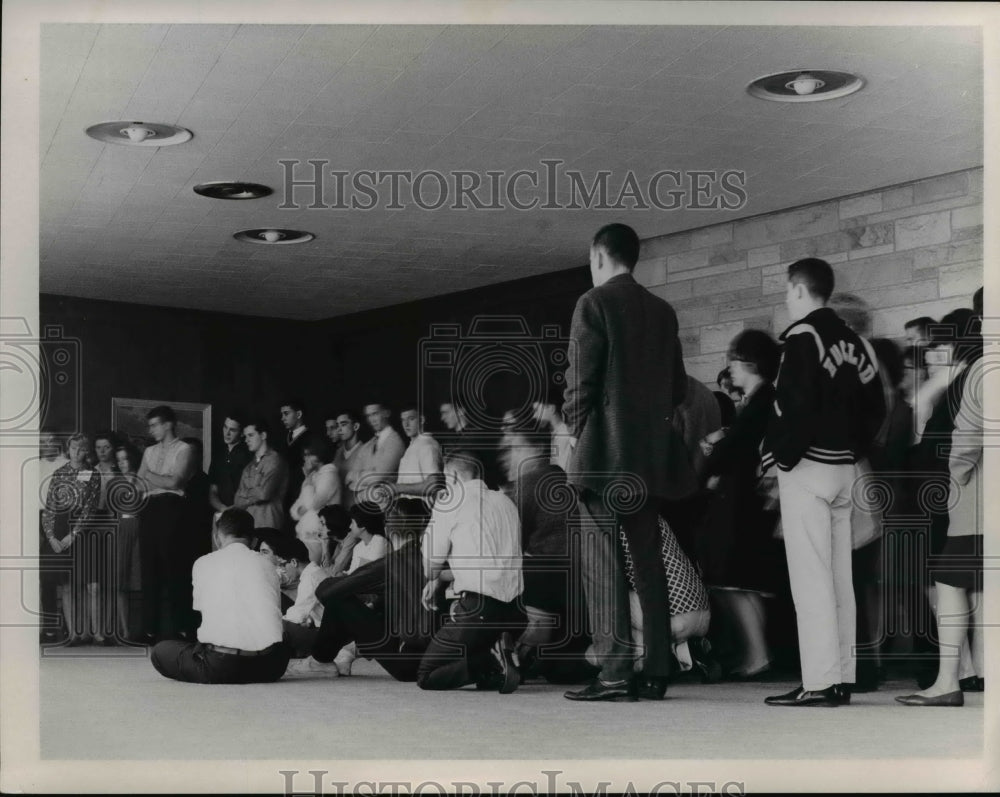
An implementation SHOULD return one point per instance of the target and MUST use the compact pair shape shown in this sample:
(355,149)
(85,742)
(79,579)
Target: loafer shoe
(843,693)
(972,684)
(947,699)
(605,690)
(827,698)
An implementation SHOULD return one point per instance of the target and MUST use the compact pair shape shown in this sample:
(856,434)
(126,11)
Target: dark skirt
(736,543)
(960,564)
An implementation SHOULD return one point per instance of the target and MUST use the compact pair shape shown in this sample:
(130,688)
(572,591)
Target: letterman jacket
(829,403)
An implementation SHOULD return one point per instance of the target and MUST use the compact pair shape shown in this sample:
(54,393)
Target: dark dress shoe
(827,698)
(972,684)
(605,690)
(704,661)
(652,688)
(843,693)
(511,672)
(947,699)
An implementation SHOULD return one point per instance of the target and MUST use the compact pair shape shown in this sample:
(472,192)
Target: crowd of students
(828,472)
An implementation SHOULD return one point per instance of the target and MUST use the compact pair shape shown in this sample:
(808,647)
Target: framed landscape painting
(194,419)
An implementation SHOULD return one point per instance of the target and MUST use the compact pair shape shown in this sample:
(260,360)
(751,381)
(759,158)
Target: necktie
(375,444)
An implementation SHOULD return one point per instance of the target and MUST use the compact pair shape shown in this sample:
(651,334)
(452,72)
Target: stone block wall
(908,250)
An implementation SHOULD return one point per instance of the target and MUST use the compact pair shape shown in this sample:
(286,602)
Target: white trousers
(816,519)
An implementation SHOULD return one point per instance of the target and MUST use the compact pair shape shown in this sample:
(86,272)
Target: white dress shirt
(478,532)
(306,602)
(421,460)
(236,591)
(161,459)
(365,552)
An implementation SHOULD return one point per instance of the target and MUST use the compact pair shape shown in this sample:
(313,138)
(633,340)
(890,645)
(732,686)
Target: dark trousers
(299,638)
(196,663)
(396,580)
(605,590)
(165,559)
(347,619)
(381,634)
(459,653)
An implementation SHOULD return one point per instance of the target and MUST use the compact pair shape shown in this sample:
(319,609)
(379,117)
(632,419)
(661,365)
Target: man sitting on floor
(300,620)
(236,591)
(394,629)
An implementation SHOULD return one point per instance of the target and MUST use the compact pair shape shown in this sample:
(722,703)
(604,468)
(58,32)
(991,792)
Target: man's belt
(238,652)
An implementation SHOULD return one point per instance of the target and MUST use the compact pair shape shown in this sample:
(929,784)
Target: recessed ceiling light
(139,134)
(805,85)
(274,235)
(225,189)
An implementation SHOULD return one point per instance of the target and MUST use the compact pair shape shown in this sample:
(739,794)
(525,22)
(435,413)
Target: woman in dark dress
(125,498)
(740,558)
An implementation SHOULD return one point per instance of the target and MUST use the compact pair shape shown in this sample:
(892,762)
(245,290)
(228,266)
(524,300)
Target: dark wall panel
(184,355)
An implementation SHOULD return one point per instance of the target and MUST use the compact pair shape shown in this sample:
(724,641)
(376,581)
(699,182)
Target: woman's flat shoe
(947,699)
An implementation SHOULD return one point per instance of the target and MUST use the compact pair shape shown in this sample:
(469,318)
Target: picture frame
(194,419)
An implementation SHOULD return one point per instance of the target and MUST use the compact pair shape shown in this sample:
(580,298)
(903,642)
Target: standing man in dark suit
(624,379)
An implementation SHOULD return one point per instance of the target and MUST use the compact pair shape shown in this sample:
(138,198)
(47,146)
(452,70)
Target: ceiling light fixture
(226,189)
(273,236)
(139,134)
(805,85)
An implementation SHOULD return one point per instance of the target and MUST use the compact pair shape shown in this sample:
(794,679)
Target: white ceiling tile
(451,97)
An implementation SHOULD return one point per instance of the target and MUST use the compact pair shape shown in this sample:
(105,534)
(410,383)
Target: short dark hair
(108,435)
(620,242)
(815,274)
(890,358)
(923,323)
(724,374)
(331,415)
(961,329)
(289,548)
(319,446)
(407,406)
(235,415)
(262,425)
(163,413)
(352,414)
(757,349)
(338,521)
(237,523)
(465,461)
(296,403)
(369,517)
(265,534)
